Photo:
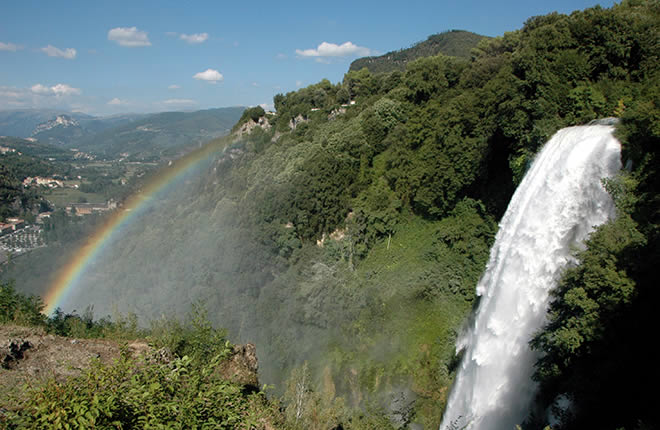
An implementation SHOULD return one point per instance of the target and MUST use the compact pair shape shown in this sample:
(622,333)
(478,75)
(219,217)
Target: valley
(60,177)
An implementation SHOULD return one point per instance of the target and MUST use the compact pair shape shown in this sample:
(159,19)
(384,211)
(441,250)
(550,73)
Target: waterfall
(554,209)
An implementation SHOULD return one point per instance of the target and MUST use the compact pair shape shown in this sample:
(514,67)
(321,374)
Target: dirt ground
(29,356)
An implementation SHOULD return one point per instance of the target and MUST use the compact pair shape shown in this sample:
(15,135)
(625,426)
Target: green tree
(342,96)
(10,191)
(17,308)
(425,78)
(360,84)
(378,120)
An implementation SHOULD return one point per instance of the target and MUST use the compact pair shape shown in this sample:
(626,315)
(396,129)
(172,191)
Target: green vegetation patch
(61,197)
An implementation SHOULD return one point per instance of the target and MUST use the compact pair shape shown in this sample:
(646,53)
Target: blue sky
(103,58)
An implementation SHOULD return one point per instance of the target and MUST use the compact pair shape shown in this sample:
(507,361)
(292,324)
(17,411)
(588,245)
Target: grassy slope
(409,342)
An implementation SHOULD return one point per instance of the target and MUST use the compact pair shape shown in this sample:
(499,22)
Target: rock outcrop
(62,121)
(295,122)
(250,125)
(241,367)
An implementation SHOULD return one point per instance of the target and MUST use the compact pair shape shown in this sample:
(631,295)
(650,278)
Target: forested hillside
(346,239)
(454,43)
(22,122)
(34,160)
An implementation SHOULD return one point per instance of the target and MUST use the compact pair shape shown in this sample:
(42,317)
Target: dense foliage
(19,308)
(134,394)
(447,129)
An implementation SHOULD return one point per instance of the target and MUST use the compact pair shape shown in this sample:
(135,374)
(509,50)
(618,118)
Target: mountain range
(133,135)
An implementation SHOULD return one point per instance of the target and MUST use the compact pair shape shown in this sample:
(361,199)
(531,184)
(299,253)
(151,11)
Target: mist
(194,241)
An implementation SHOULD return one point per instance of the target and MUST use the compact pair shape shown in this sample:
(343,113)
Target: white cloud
(281,56)
(209,75)
(174,87)
(326,49)
(299,83)
(40,89)
(179,102)
(51,51)
(56,90)
(65,90)
(9,47)
(194,38)
(255,84)
(130,37)
(116,102)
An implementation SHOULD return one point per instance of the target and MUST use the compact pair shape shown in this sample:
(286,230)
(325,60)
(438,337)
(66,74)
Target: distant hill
(455,43)
(66,129)
(59,130)
(162,134)
(22,123)
(42,123)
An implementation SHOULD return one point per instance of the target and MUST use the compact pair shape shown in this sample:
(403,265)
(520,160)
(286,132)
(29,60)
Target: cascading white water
(553,210)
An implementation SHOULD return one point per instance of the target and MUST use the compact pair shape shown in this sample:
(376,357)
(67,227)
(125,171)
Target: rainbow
(68,276)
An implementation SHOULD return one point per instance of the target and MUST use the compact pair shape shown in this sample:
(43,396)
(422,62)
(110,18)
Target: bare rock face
(250,125)
(241,367)
(62,121)
(605,121)
(297,121)
(336,112)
